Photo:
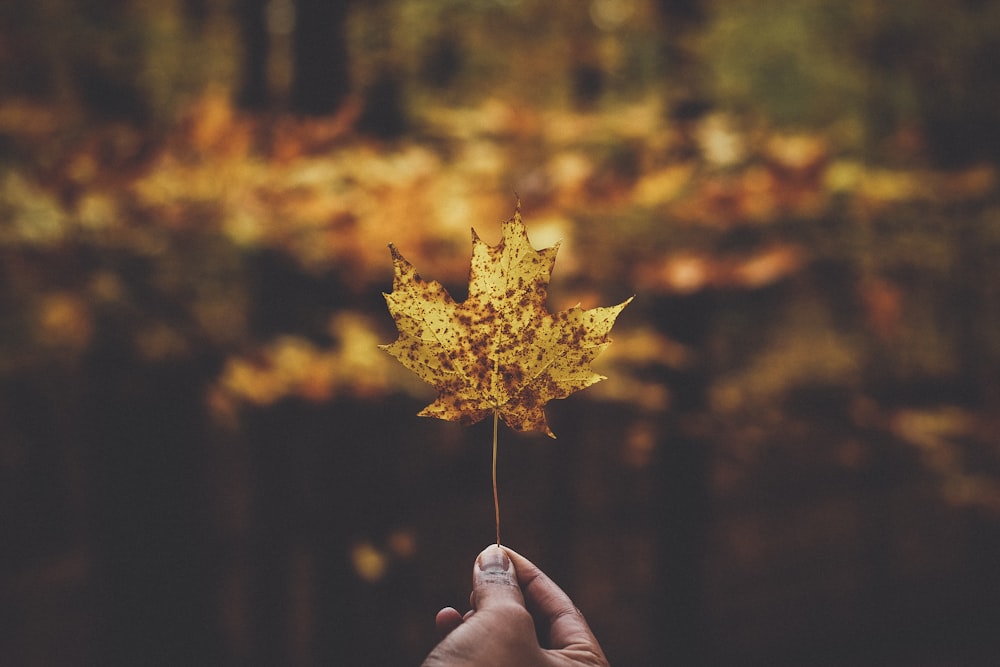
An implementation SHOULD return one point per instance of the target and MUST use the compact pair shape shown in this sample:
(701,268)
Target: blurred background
(205,460)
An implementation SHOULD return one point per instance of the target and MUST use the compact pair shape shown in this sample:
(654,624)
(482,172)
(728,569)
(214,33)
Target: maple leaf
(500,351)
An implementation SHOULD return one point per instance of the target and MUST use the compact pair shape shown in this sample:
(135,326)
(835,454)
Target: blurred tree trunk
(196,12)
(681,471)
(384,114)
(253,25)
(321,77)
(681,66)
(320,71)
(147,443)
(106,80)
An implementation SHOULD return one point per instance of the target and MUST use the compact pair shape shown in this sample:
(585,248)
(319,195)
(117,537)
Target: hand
(510,596)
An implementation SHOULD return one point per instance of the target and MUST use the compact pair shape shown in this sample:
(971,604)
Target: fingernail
(494,560)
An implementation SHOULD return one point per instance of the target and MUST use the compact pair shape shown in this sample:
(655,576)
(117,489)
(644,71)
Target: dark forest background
(205,460)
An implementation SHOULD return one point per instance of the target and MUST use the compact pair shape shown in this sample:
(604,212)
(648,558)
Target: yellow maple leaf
(500,351)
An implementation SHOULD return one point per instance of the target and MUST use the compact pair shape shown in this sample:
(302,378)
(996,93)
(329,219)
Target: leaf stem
(496,498)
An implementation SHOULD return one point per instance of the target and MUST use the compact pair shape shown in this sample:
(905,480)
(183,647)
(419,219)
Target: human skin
(513,604)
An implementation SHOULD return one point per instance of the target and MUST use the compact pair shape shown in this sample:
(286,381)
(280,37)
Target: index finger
(567,626)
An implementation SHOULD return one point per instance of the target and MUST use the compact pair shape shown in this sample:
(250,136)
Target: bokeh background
(205,460)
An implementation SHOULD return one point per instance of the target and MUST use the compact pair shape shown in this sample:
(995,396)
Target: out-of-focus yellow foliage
(821,356)
(64,320)
(374,560)
(30,214)
(370,564)
(161,239)
(663,185)
(292,366)
(938,434)
(684,273)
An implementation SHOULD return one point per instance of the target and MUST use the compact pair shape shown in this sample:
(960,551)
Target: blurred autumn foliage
(204,458)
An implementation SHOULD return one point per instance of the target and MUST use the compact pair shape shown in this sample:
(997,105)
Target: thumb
(494,580)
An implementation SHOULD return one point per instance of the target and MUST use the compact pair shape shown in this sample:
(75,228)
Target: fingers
(506,587)
(494,580)
(556,611)
(447,620)
(494,583)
